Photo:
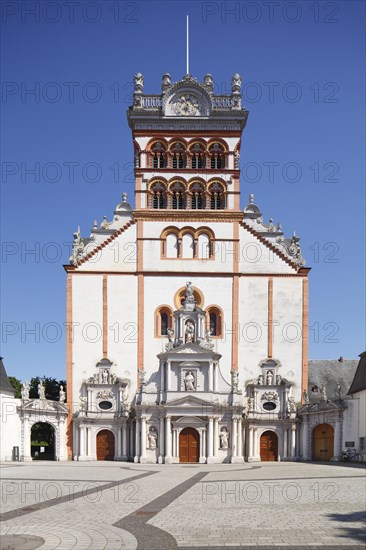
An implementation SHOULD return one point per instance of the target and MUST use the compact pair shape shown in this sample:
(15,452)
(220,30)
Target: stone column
(215,369)
(27,456)
(162,379)
(124,442)
(89,443)
(293,441)
(167,378)
(143,440)
(130,451)
(255,443)
(285,442)
(250,446)
(216,437)
(210,377)
(161,440)
(168,440)
(240,438)
(63,450)
(137,440)
(234,442)
(210,439)
(204,436)
(337,441)
(304,438)
(174,442)
(81,442)
(119,442)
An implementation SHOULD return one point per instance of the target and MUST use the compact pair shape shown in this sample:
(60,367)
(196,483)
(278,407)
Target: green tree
(17,385)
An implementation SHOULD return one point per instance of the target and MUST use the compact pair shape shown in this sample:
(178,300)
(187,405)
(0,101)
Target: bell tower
(187,146)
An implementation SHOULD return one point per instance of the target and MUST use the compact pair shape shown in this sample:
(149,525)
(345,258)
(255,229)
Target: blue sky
(303,70)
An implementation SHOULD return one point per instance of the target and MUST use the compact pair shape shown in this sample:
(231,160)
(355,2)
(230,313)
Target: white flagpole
(187,44)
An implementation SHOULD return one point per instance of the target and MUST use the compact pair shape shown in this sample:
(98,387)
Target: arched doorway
(323,442)
(105,445)
(268,446)
(189,445)
(43,441)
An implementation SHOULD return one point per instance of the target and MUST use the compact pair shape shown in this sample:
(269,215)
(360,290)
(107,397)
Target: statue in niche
(260,380)
(41,390)
(224,439)
(189,381)
(269,379)
(278,379)
(62,395)
(104,376)
(189,332)
(170,332)
(25,390)
(152,438)
(251,404)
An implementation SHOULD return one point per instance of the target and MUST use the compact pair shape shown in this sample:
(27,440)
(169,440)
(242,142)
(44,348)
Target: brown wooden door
(189,445)
(105,445)
(268,446)
(323,442)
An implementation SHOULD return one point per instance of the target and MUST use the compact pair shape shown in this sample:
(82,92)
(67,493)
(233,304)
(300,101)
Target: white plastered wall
(10,426)
(87,311)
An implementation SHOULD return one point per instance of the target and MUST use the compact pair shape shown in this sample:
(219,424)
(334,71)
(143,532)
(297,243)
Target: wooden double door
(269,446)
(189,445)
(323,442)
(105,445)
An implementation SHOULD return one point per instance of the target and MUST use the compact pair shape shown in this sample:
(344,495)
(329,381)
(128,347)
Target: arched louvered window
(217,156)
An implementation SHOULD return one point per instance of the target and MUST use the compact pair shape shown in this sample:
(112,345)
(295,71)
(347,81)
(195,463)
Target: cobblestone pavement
(113,505)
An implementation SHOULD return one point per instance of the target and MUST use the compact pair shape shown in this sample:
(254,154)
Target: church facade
(187,316)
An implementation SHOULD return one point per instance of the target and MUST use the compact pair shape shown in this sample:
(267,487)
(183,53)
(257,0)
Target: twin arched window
(187,243)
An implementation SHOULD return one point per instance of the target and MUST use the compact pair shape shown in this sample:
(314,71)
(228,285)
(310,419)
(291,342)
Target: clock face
(186,105)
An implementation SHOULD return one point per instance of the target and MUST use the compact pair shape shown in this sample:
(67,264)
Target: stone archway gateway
(268,446)
(43,440)
(189,445)
(105,445)
(323,442)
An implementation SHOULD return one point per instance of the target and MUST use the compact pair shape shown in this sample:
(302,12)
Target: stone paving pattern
(121,505)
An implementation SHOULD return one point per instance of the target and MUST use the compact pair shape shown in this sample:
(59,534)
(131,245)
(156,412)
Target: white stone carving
(41,390)
(269,378)
(83,403)
(62,395)
(269,396)
(105,394)
(152,438)
(189,381)
(224,439)
(25,390)
(189,332)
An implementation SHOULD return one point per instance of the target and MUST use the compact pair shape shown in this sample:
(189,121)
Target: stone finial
(138,81)
(104,223)
(251,199)
(124,197)
(95,225)
(166,82)
(236,84)
(279,227)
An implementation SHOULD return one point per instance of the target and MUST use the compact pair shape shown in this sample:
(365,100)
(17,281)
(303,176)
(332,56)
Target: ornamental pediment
(188,401)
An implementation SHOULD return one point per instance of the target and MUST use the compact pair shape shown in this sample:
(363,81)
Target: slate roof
(330,373)
(5,386)
(359,381)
